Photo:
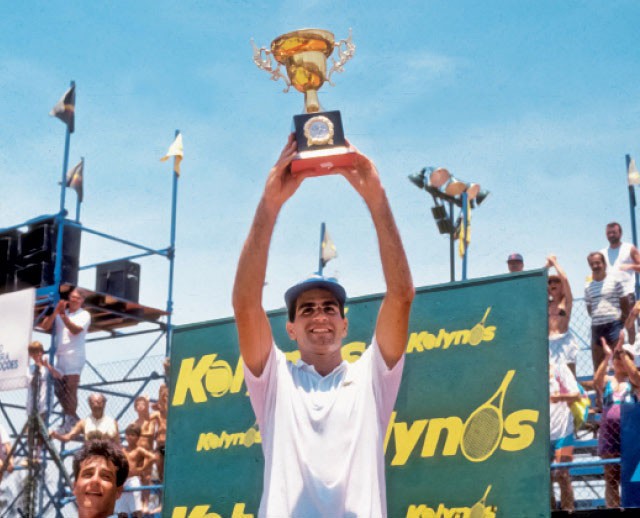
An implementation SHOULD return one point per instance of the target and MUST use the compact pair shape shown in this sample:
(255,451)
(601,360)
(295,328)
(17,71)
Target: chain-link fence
(121,382)
(594,469)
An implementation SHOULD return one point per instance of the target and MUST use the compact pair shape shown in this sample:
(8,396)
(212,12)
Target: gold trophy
(319,134)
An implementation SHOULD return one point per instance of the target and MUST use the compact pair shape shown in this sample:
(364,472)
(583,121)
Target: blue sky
(536,101)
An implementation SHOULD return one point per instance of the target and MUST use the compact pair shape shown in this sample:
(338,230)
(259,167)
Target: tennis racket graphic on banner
(477,511)
(483,429)
(250,436)
(475,337)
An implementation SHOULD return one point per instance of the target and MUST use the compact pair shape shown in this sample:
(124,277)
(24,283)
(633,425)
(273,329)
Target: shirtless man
(147,427)
(160,418)
(563,346)
(140,461)
(144,421)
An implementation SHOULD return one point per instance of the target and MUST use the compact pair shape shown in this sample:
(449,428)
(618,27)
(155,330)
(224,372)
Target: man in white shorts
(70,323)
(322,420)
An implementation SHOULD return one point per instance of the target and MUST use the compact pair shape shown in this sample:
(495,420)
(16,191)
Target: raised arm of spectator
(552,260)
(600,376)
(627,362)
(254,331)
(393,317)
(47,322)
(52,370)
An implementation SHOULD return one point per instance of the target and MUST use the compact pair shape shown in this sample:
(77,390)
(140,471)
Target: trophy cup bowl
(303,53)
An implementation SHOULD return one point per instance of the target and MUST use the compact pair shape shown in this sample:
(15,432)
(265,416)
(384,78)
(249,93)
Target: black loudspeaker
(119,278)
(35,264)
(9,251)
(42,274)
(38,243)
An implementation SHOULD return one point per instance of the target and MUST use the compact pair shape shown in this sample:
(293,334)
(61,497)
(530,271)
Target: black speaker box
(38,243)
(9,251)
(119,278)
(42,273)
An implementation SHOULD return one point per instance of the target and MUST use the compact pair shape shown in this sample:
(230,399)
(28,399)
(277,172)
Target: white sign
(16,325)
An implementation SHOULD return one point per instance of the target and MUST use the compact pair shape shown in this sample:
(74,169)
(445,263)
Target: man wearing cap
(322,420)
(515,263)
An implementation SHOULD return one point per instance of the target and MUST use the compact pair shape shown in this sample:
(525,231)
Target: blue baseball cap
(515,257)
(312,282)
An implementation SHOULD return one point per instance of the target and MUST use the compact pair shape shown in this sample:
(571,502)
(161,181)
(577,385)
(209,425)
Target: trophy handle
(346,50)
(263,59)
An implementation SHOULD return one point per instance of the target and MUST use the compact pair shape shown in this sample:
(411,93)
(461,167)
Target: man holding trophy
(322,420)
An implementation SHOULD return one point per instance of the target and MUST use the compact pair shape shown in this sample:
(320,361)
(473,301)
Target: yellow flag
(175,150)
(465,232)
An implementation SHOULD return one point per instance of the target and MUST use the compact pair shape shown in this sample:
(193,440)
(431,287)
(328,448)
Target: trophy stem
(311,101)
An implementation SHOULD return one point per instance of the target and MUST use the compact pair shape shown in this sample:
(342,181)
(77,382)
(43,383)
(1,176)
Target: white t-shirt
(616,257)
(70,352)
(322,437)
(100,428)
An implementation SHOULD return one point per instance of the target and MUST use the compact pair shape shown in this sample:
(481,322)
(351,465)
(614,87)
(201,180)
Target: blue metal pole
(57,280)
(320,265)
(452,262)
(465,220)
(632,211)
(171,254)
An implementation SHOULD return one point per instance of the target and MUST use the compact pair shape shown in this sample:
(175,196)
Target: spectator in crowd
(100,469)
(39,371)
(515,263)
(6,462)
(563,391)
(622,258)
(563,346)
(607,306)
(620,388)
(144,421)
(96,425)
(160,418)
(147,441)
(140,460)
(70,324)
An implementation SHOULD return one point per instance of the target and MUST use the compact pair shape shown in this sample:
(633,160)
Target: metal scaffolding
(113,318)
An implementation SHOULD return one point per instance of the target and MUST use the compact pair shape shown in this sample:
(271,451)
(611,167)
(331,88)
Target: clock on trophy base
(321,144)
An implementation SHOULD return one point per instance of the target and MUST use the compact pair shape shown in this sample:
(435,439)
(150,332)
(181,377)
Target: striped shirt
(603,297)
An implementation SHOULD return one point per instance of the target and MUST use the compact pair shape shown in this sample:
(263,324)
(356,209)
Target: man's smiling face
(318,326)
(95,489)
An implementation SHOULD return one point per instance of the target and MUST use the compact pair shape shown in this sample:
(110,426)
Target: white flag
(633,176)
(328,249)
(176,150)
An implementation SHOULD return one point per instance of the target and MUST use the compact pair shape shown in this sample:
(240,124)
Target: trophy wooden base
(321,144)
(322,161)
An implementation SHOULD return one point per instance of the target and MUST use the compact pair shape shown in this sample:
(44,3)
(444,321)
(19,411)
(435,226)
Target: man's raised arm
(254,331)
(393,319)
